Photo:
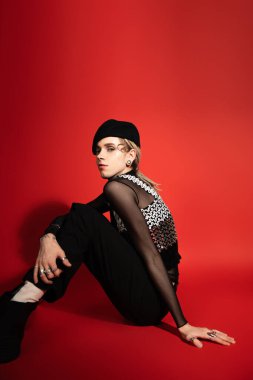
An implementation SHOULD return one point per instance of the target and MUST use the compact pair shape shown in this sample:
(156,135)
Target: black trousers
(88,237)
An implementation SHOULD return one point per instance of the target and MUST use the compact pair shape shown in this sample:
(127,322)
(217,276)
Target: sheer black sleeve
(124,201)
(98,203)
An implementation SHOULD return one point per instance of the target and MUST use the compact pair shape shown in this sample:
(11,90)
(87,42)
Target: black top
(138,212)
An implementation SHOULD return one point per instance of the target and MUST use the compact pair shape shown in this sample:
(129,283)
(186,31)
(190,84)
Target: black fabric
(124,201)
(116,128)
(88,237)
(170,255)
(99,203)
(13,319)
(123,197)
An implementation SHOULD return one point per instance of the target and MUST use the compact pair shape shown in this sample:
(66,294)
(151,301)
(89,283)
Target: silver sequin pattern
(157,216)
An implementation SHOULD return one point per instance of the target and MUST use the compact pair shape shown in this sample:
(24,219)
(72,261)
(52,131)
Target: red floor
(88,339)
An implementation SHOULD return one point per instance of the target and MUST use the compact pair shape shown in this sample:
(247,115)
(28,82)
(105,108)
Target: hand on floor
(192,333)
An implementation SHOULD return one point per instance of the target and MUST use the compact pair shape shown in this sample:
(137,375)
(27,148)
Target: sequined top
(157,215)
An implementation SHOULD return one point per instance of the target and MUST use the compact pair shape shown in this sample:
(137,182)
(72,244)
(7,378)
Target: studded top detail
(157,216)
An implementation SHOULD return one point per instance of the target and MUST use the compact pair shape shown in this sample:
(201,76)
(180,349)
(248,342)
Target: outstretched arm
(123,200)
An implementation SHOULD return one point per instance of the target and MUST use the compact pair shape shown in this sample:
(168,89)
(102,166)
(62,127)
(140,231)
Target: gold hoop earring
(128,163)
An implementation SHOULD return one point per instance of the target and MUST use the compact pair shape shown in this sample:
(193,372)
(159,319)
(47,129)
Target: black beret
(116,128)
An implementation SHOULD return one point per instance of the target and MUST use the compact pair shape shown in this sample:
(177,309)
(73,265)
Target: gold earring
(128,163)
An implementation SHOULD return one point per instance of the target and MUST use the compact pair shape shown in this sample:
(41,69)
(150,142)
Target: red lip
(101,165)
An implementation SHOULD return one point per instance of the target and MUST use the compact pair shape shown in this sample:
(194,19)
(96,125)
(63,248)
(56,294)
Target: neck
(131,171)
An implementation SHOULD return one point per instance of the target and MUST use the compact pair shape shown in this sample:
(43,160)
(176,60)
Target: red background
(182,72)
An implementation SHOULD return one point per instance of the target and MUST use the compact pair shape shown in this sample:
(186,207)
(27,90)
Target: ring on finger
(48,270)
(63,258)
(192,339)
(42,270)
(211,333)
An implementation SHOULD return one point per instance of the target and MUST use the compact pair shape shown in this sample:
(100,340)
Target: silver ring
(42,270)
(48,271)
(211,333)
(192,339)
(63,258)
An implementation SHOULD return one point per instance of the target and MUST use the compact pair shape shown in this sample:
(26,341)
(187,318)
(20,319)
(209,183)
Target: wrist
(48,235)
(184,327)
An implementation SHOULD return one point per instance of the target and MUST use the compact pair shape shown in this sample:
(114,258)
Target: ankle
(28,293)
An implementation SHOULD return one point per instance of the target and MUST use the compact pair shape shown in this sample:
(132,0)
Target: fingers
(46,266)
(224,336)
(43,276)
(43,273)
(49,270)
(218,337)
(196,342)
(35,272)
(209,334)
(55,271)
(66,261)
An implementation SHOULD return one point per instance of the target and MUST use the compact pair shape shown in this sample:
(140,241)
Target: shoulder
(118,188)
(115,185)
(111,186)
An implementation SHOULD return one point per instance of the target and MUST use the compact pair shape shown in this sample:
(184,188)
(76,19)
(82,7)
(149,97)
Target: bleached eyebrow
(106,144)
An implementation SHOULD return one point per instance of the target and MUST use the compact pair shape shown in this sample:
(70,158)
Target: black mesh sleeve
(124,201)
(99,203)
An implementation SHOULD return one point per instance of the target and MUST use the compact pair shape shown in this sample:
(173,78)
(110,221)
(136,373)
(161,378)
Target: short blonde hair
(135,164)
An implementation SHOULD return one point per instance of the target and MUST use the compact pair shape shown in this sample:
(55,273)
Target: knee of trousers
(82,208)
(87,213)
(84,215)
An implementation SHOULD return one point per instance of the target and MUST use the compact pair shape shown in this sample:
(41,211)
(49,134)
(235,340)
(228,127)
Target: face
(111,157)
